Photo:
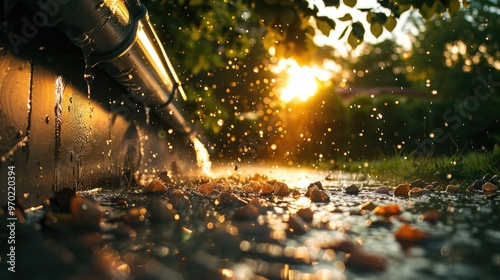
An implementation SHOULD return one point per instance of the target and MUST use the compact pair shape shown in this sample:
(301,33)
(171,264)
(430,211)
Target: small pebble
(306,214)
(228,198)
(296,225)
(311,186)
(417,192)
(317,195)
(409,234)
(430,188)
(156,186)
(366,262)
(281,189)
(352,189)
(387,210)
(206,189)
(266,189)
(317,184)
(452,189)
(179,200)
(262,208)
(345,246)
(251,187)
(382,190)
(247,212)
(419,183)
(489,187)
(85,212)
(431,216)
(402,190)
(369,205)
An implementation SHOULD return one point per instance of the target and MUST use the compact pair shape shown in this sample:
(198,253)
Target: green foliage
(402,166)
(220,30)
(455,57)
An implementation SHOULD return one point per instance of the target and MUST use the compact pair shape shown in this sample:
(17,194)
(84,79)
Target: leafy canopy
(217,31)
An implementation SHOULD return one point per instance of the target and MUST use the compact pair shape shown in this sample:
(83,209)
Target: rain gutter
(118,36)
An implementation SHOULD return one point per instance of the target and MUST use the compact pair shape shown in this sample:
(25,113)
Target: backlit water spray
(202,156)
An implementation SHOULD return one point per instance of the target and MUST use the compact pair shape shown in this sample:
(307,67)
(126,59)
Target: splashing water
(202,156)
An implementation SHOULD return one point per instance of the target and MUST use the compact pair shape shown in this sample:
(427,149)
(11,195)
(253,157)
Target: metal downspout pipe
(117,35)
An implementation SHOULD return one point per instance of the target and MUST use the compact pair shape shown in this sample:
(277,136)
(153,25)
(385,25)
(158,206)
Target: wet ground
(244,224)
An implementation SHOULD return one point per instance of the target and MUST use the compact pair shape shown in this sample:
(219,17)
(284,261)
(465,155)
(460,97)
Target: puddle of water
(206,241)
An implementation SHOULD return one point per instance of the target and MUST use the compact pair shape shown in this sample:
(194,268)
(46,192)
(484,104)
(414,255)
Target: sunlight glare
(301,81)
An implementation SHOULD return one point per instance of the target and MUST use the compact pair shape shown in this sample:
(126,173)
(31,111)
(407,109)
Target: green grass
(462,167)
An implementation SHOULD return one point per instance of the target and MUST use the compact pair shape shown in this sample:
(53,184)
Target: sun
(299,82)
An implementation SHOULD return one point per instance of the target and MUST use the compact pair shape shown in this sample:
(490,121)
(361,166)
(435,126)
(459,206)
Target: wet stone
(345,246)
(369,205)
(306,214)
(489,187)
(281,189)
(419,183)
(430,188)
(260,206)
(418,192)
(156,186)
(317,185)
(382,190)
(452,189)
(431,216)
(296,225)
(85,212)
(179,200)
(251,187)
(409,234)
(387,210)
(266,189)
(402,190)
(247,212)
(352,189)
(231,199)
(206,189)
(317,195)
(366,262)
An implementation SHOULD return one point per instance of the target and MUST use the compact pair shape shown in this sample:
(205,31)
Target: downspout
(117,35)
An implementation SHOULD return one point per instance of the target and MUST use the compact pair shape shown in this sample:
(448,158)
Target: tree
(452,57)
(202,34)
